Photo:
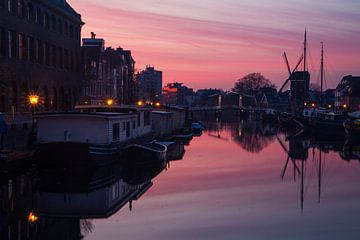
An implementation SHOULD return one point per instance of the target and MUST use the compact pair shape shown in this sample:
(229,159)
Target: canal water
(243,180)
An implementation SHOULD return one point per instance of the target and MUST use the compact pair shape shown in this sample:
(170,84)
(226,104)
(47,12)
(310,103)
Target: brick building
(109,73)
(39,52)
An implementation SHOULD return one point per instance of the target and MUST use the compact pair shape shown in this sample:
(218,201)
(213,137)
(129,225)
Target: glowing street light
(33,99)
(140,103)
(110,102)
(344,106)
(313,105)
(157,104)
(32,217)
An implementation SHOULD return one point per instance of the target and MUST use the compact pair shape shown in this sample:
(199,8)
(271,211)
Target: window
(38,17)
(60,26)
(47,54)
(20,8)
(38,51)
(2,42)
(11,44)
(61,58)
(46,20)
(127,129)
(66,59)
(30,12)
(53,55)
(11,6)
(66,28)
(22,48)
(31,49)
(53,23)
(133,125)
(146,118)
(116,131)
(138,119)
(71,31)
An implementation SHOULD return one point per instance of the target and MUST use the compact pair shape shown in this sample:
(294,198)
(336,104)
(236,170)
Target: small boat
(197,128)
(352,124)
(151,151)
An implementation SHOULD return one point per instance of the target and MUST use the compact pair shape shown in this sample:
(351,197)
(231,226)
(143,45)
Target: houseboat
(97,134)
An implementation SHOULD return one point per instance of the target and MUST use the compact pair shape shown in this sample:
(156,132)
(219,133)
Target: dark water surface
(229,186)
(237,181)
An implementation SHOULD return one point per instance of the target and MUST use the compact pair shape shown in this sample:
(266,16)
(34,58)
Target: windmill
(289,70)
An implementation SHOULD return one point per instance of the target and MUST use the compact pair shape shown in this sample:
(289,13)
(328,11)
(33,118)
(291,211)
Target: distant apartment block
(150,84)
(109,73)
(39,53)
(176,94)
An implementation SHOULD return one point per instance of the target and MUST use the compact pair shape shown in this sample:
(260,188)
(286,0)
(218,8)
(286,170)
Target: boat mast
(304,73)
(322,71)
(305,43)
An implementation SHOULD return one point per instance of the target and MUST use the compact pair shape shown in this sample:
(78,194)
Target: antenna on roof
(93,35)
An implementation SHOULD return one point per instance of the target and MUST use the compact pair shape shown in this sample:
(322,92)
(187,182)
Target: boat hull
(76,154)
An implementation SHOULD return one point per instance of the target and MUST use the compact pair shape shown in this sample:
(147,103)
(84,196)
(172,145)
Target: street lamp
(140,103)
(32,217)
(33,101)
(110,102)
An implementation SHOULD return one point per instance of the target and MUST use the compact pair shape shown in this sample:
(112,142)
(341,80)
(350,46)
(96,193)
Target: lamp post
(33,101)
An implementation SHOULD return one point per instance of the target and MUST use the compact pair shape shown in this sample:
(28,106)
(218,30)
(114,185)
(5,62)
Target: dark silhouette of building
(40,53)
(176,93)
(109,73)
(347,93)
(150,84)
(299,89)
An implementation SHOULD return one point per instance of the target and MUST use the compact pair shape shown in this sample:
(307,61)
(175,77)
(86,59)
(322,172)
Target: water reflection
(239,174)
(60,202)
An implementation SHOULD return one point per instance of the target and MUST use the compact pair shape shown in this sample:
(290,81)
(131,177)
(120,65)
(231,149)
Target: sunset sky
(212,43)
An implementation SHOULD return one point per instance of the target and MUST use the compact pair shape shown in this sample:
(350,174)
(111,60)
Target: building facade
(39,53)
(150,84)
(109,73)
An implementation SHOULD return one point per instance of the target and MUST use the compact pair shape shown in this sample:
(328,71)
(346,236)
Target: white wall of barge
(95,129)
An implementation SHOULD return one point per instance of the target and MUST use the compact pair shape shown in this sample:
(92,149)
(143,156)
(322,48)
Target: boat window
(127,129)
(146,118)
(116,131)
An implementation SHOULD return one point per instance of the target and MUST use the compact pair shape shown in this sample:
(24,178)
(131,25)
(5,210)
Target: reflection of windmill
(289,158)
(299,152)
(296,152)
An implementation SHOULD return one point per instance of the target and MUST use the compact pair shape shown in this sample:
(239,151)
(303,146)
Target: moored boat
(151,151)
(98,137)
